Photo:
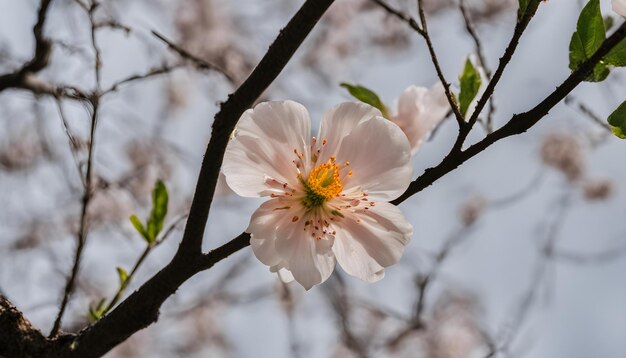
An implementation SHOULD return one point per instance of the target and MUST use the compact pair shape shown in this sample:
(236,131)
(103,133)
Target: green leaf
(139,227)
(470,84)
(366,95)
(159,210)
(96,312)
(617,121)
(523,5)
(589,35)
(527,8)
(617,56)
(123,275)
(600,73)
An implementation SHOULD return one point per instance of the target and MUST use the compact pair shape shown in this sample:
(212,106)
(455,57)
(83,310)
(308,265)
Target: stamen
(322,184)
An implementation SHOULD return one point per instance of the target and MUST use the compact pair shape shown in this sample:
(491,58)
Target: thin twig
(588,258)
(533,184)
(423,283)
(140,260)
(520,27)
(471,30)
(88,181)
(83,226)
(337,295)
(423,31)
(157,71)
(73,143)
(588,112)
(435,60)
(113,24)
(402,16)
(197,61)
(529,297)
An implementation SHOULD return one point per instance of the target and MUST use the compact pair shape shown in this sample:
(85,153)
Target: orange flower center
(322,184)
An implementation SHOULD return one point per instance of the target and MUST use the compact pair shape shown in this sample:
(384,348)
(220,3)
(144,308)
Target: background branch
(41,57)
(195,60)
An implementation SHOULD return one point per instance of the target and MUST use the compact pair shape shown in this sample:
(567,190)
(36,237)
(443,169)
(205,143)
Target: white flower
(329,196)
(619,6)
(419,111)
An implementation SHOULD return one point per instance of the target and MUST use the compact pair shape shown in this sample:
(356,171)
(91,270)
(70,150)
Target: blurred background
(521,252)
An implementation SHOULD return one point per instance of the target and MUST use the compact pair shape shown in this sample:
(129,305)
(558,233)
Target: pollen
(324,180)
(322,184)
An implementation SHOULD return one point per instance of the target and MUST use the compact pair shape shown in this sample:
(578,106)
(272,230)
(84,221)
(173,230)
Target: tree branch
(141,308)
(41,57)
(518,124)
(18,337)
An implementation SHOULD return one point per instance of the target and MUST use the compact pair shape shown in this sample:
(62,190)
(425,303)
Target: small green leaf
(617,121)
(523,5)
(122,274)
(600,73)
(366,95)
(470,84)
(139,227)
(93,315)
(589,35)
(96,312)
(527,8)
(159,210)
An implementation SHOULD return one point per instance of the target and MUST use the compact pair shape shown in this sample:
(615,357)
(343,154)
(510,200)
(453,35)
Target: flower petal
(364,248)
(380,159)
(619,6)
(285,275)
(310,261)
(419,112)
(354,260)
(263,224)
(338,122)
(263,146)
(310,268)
